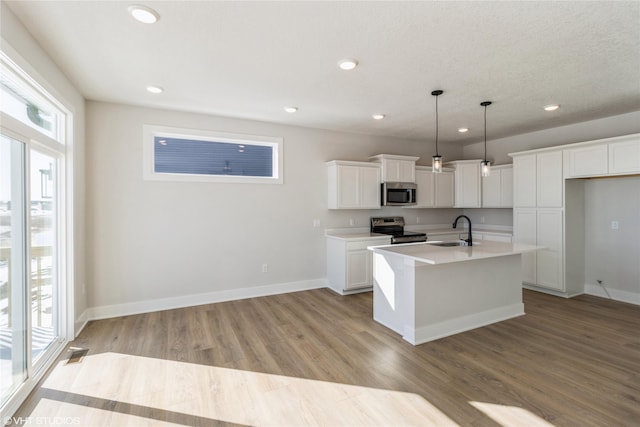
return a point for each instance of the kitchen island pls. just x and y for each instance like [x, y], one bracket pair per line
[425, 292]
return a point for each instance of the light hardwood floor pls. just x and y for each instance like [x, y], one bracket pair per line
[316, 358]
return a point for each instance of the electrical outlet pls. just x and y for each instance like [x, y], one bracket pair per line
[316, 223]
[417, 220]
[482, 219]
[615, 225]
[352, 222]
[265, 268]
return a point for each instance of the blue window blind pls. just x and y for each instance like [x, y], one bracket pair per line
[198, 157]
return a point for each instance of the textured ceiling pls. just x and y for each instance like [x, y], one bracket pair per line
[250, 59]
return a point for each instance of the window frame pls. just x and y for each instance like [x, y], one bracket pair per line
[148, 155]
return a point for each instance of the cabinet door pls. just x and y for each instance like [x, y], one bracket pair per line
[358, 269]
[524, 231]
[624, 157]
[524, 181]
[549, 271]
[491, 189]
[467, 184]
[348, 187]
[406, 171]
[550, 182]
[444, 190]
[586, 161]
[425, 189]
[506, 188]
[369, 188]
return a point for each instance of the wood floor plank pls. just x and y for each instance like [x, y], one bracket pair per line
[316, 357]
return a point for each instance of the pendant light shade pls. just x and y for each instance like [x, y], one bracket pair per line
[436, 166]
[485, 165]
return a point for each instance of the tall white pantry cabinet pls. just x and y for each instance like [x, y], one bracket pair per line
[541, 208]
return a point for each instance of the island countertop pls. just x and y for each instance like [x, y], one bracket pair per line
[428, 253]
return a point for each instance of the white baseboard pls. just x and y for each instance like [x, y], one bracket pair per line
[80, 323]
[127, 309]
[461, 324]
[614, 294]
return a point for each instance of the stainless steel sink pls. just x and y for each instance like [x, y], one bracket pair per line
[447, 244]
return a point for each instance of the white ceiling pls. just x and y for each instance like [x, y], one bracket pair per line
[250, 59]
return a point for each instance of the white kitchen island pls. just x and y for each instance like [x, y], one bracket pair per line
[425, 292]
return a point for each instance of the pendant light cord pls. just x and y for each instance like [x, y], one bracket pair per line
[485, 133]
[437, 125]
[485, 104]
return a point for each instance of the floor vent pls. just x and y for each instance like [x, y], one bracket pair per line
[77, 354]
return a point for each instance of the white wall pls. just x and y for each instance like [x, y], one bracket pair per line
[153, 240]
[20, 46]
[498, 149]
[613, 256]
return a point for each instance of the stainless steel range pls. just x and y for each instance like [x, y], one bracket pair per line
[394, 225]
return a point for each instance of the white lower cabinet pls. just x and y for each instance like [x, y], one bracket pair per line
[524, 231]
[549, 266]
[542, 227]
[350, 264]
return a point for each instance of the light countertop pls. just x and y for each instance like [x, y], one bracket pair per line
[430, 254]
[357, 236]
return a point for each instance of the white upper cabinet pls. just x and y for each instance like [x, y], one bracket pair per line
[604, 157]
[586, 161]
[468, 192]
[434, 190]
[550, 182]
[353, 185]
[538, 180]
[396, 168]
[524, 181]
[624, 157]
[497, 188]
[444, 189]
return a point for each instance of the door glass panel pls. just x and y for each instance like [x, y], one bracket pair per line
[44, 283]
[13, 315]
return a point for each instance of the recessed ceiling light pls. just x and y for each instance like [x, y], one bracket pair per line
[463, 130]
[143, 14]
[155, 89]
[290, 109]
[378, 116]
[551, 107]
[348, 64]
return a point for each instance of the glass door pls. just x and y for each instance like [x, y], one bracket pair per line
[13, 268]
[43, 291]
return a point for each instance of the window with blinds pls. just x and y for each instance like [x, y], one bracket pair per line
[179, 154]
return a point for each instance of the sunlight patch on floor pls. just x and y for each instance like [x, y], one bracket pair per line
[510, 415]
[187, 393]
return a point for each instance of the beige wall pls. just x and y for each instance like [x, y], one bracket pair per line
[18, 44]
[613, 256]
[155, 240]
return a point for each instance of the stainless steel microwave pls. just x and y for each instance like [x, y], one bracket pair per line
[398, 194]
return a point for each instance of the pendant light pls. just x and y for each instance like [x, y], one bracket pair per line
[485, 165]
[437, 159]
